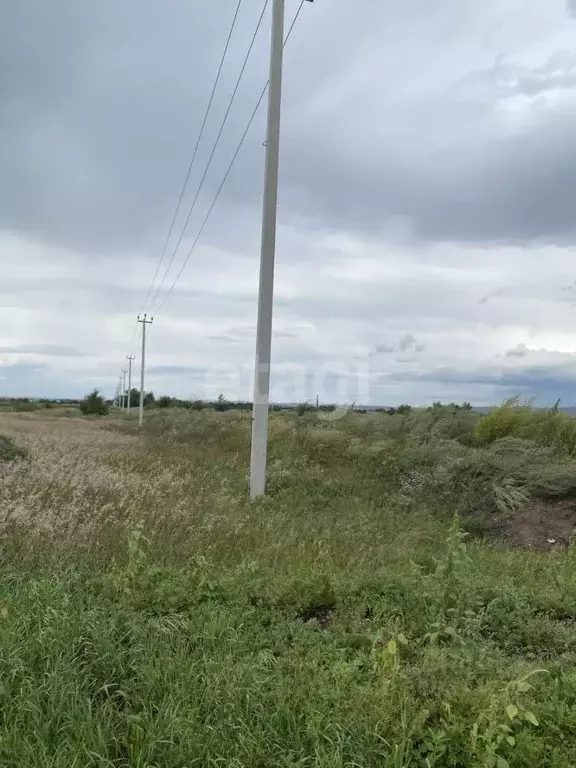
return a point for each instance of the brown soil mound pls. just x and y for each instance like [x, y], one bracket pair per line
[540, 526]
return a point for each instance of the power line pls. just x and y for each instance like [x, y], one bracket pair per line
[228, 171]
[213, 152]
[195, 152]
[133, 336]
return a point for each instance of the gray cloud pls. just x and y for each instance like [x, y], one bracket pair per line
[407, 343]
[176, 370]
[511, 189]
[490, 296]
[411, 131]
[384, 349]
[49, 350]
[99, 115]
[223, 338]
[26, 380]
[519, 351]
[545, 383]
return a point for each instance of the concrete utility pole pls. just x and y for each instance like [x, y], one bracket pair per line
[124, 372]
[130, 358]
[267, 253]
[144, 322]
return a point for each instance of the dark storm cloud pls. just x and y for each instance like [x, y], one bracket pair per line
[101, 102]
[546, 383]
[471, 160]
[515, 189]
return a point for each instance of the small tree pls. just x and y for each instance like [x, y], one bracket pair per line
[303, 408]
[94, 404]
[134, 397]
[221, 404]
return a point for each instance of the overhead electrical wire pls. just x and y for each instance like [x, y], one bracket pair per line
[212, 153]
[195, 152]
[226, 175]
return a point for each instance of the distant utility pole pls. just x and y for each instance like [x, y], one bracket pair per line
[144, 322]
[267, 255]
[124, 372]
[130, 358]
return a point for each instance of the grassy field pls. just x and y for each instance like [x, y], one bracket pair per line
[404, 596]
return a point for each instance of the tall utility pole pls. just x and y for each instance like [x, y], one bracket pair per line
[130, 358]
[267, 253]
[144, 322]
[124, 372]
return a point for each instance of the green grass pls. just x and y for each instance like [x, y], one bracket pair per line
[9, 451]
[345, 620]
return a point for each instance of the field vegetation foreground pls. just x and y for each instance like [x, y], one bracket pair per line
[405, 596]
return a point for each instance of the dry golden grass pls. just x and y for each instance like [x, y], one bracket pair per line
[84, 482]
[68, 487]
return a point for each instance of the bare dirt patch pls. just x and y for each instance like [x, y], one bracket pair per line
[542, 526]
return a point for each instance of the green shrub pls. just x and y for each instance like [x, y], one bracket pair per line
[546, 427]
[511, 418]
[94, 404]
[303, 408]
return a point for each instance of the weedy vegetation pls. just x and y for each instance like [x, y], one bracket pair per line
[404, 596]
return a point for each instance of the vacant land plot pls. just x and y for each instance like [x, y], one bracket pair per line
[404, 596]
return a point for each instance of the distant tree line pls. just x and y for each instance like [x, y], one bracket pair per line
[38, 400]
[95, 404]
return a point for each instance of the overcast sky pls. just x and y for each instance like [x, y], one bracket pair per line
[427, 210]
